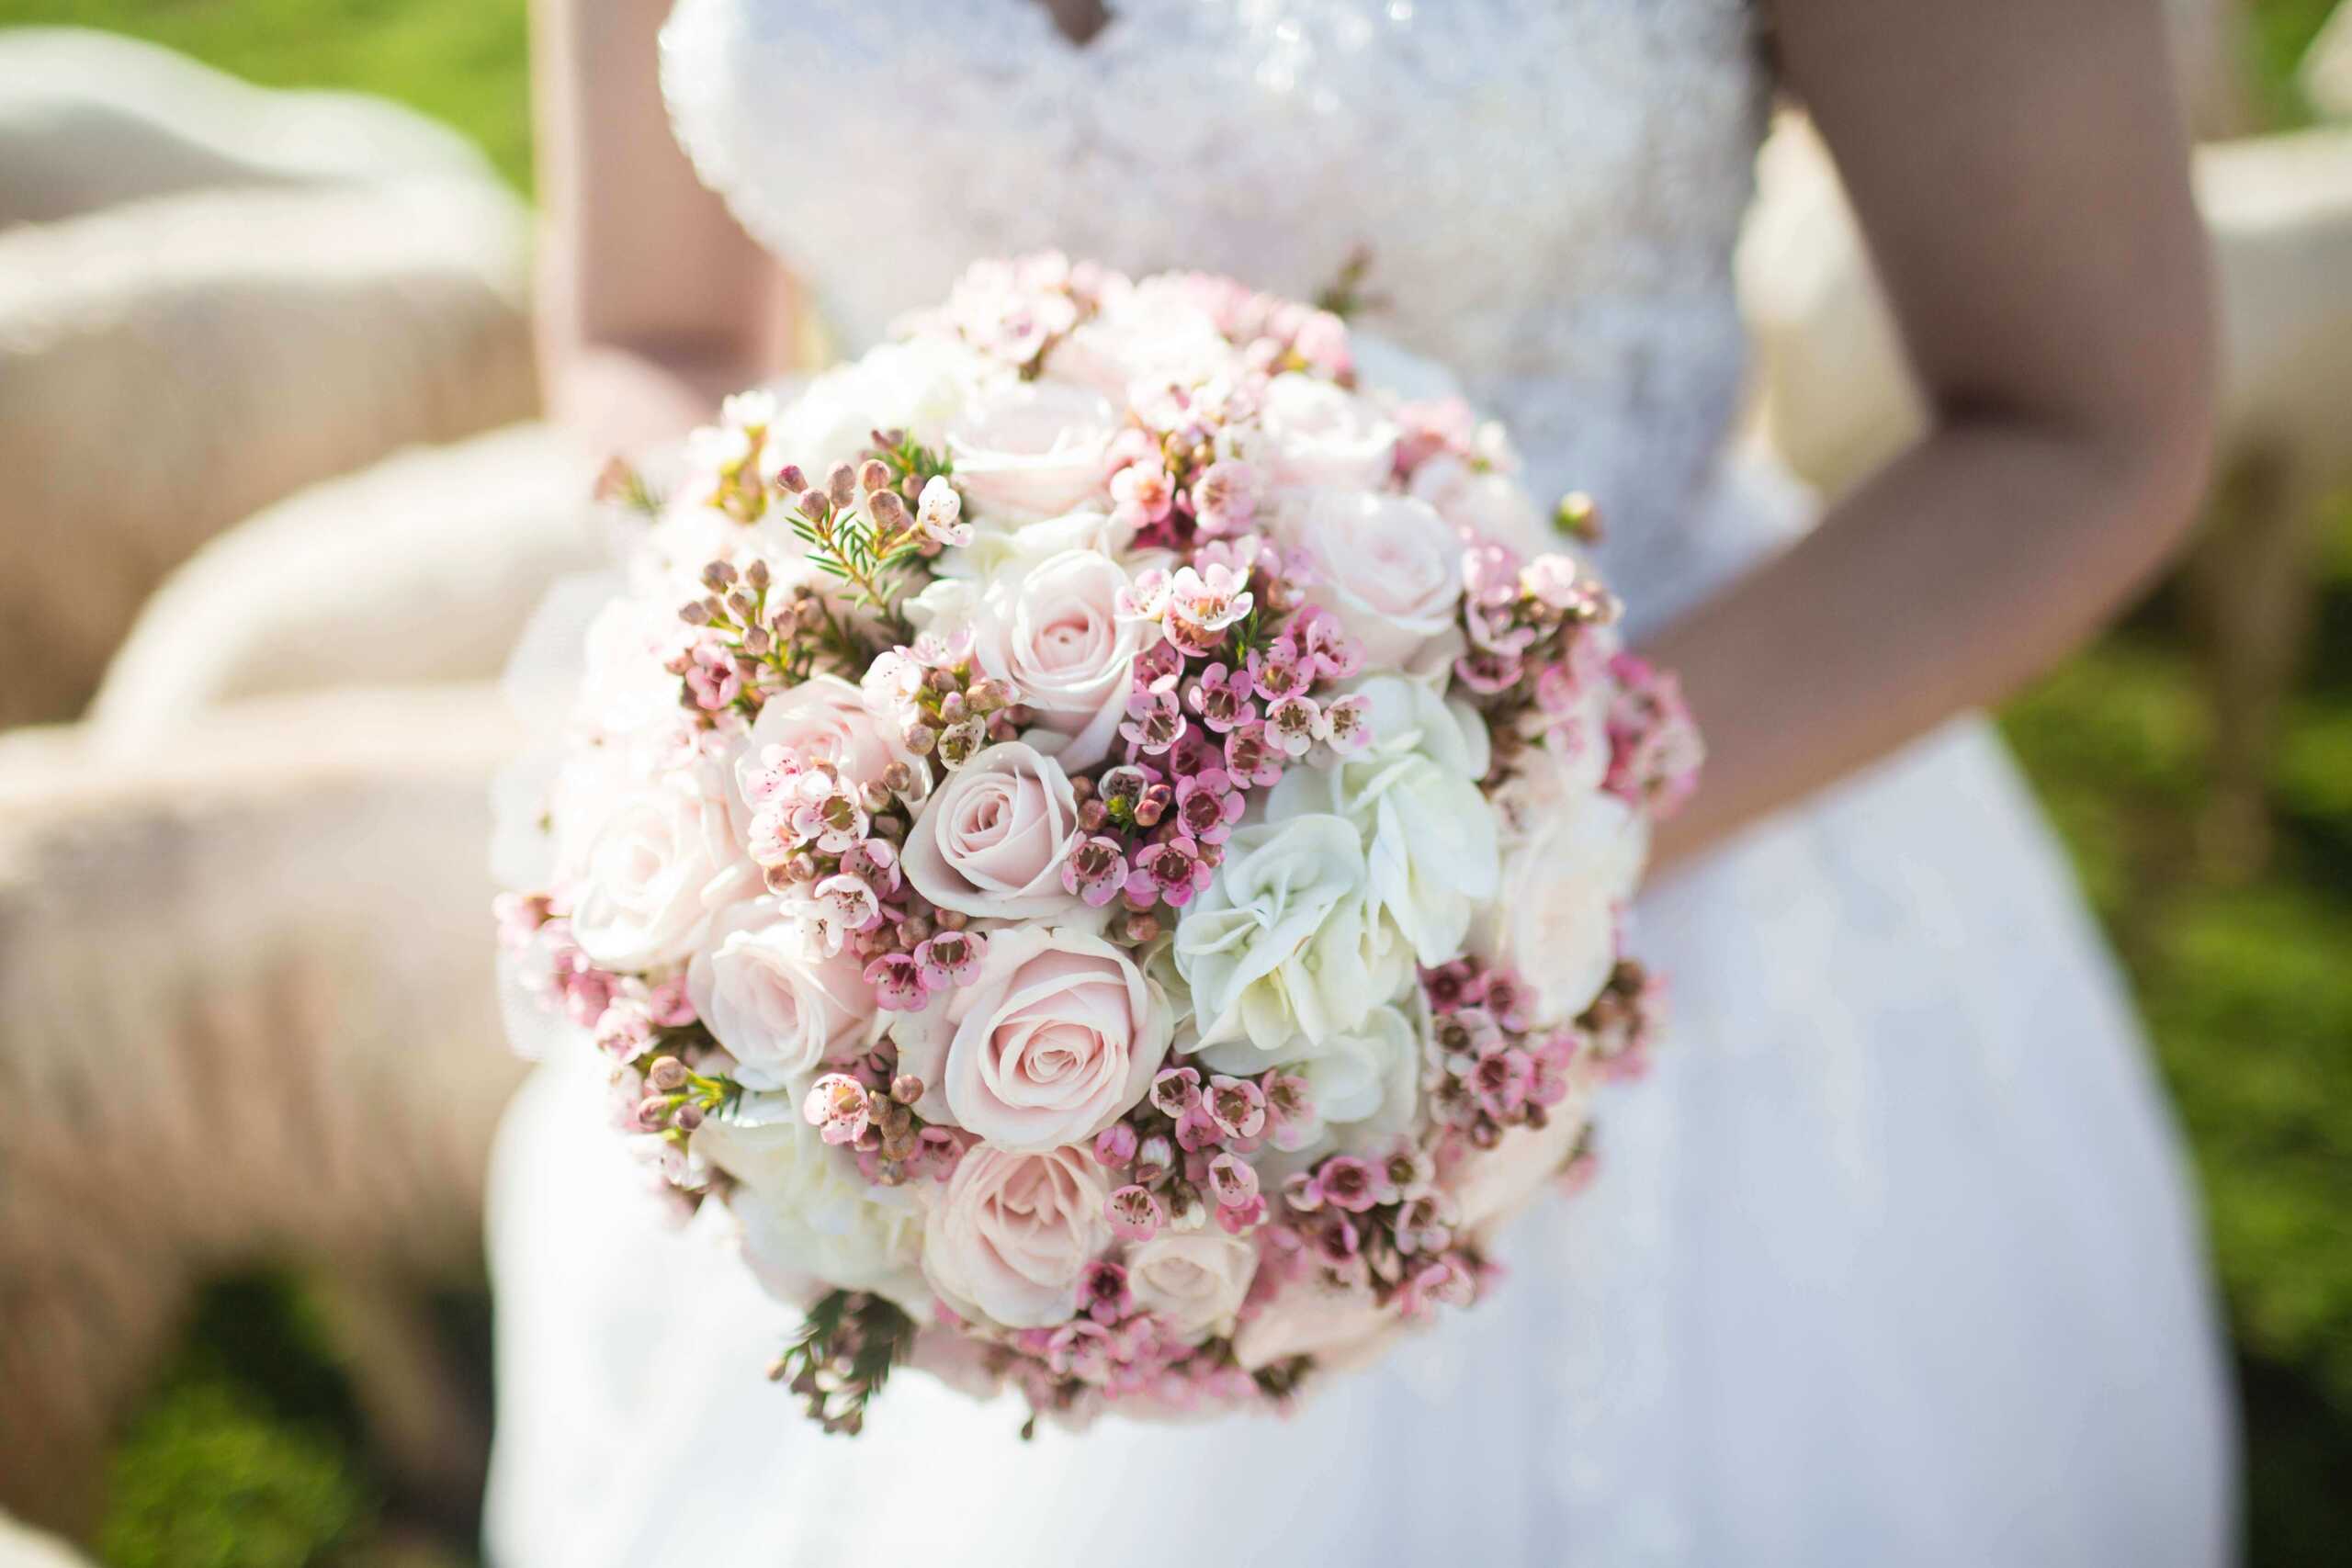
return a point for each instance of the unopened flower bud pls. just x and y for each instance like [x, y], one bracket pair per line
[687, 1117]
[717, 576]
[1141, 927]
[888, 512]
[905, 1088]
[1577, 517]
[812, 503]
[695, 615]
[791, 480]
[873, 475]
[667, 1074]
[841, 484]
[1154, 1155]
[897, 778]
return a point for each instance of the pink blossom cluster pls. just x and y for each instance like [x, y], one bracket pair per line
[1489, 1067]
[1655, 752]
[1185, 1153]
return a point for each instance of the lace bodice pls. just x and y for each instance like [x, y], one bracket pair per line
[1547, 190]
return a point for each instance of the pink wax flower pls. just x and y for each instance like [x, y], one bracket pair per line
[1221, 694]
[1208, 805]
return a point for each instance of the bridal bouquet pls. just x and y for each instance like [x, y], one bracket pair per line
[1098, 834]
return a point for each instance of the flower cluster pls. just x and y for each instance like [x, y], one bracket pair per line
[1103, 843]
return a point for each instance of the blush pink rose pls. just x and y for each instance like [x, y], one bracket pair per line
[992, 838]
[824, 718]
[1032, 451]
[1055, 633]
[1491, 1186]
[1194, 1282]
[1339, 1328]
[1057, 1036]
[655, 861]
[775, 999]
[1007, 1239]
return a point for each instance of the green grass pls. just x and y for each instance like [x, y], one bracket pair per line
[465, 62]
[2246, 988]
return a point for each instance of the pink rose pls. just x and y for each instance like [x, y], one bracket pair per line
[1340, 1329]
[1489, 1187]
[1058, 1035]
[1192, 1281]
[771, 994]
[824, 718]
[1388, 566]
[1054, 632]
[1319, 434]
[990, 840]
[1007, 1239]
[1033, 451]
[655, 861]
[1152, 334]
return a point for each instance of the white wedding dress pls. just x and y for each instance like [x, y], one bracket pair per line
[1891, 1262]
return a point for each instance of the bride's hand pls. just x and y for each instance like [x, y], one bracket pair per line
[654, 303]
[2019, 169]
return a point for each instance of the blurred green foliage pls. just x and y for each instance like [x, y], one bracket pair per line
[249, 1455]
[466, 62]
[243, 1456]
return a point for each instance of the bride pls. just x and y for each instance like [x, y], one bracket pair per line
[1892, 1261]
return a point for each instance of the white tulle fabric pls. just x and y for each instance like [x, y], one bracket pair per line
[1891, 1262]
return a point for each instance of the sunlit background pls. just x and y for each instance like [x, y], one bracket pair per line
[2219, 855]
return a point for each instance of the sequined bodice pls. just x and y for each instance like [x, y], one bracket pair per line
[1547, 190]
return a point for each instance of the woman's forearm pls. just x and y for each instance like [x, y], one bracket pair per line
[1966, 567]
[653, 302]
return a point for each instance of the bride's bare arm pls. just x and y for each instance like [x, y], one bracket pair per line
[653, 302]
[2019, 169]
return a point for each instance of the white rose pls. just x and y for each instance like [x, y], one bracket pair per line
[624, 689]
[1007, 1239]
[1491, 505]
[949, 601]
[659, 860]
[1319, 435]
[1366, 1082]
[1428, 832]
[1054, 631]
[1284, 941]
[810, 1221]
[1563, 883]
[991, 838]
[1192, 1281]
[1033, 450]
[773, 997]
[1388, 566]
[1054, 1040]
[1150, 334]
[917, 386]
